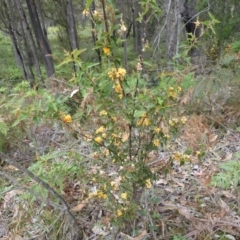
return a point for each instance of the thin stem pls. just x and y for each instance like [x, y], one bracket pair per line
[105, 16]
[46, 186]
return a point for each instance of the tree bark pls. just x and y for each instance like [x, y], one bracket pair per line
[138, 27]
[71, 26]
[41, 40]
[172, 27]
[32, 44]
[16, 38]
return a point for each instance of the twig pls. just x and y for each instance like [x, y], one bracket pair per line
[47, 187]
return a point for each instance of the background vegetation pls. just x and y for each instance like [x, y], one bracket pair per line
[119, 119]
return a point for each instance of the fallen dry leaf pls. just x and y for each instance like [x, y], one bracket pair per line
[7, 198]
[139, 237]
[99, 231]
[125, 136]
[186, 213]
[213, 138]
[224, 208]
[81, 205]
[74, 92]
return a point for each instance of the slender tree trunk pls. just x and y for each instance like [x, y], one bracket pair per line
[28, 52]
[94, 37]
[189, 18]
[72, 31]
[41, 40]
[71, 28]
[138, 28]
[172, 27]
[16, 38]
[33, 50]
[41, 17]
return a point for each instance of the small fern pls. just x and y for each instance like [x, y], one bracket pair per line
[3, 127]
[230, 174]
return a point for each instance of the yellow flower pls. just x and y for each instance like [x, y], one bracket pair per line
[171, 89]
[179, 89]
[111, 74]
[117, 74]
[114, 119]
[114, 135]
[173, 121]
[116, 143]
[85, 12]
[197, 23]
[104, 135]
[185, 157]
[100, 130]
[156, 142]
[98, 140]
[95, 13]
[139, 67]
[103, 112]
[121, 73]
[122, 26]
[118, 88]
[177, 156]
[106, 152]
[66, 118]
[198, 153]
[114, 186]
[124, 196]
[144, 121]
[92, 194]
[106, 51]
[166, 135]
[87, 137]
[148, 183]
[157, 130]
[183, 120]
[102, 195]
[119, 213]
[172, 93]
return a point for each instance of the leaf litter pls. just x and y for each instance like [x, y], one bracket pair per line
[187, 203]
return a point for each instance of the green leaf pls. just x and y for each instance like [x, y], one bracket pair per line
[139, 113]
[3, 128]
[89, 2]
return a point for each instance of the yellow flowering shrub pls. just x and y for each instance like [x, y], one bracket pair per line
[128, 120]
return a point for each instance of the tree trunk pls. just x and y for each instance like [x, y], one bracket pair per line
[189, 18]
[41, 40]
[71, 26]
[173, 19]
[33, 50]
[28, 51]
[94, 36]
[138, 28]
[16, 38]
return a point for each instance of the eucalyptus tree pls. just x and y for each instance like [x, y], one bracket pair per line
[42, 41]
[19, 19]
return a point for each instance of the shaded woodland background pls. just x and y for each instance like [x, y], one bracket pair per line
[41, 30]
[157, 81]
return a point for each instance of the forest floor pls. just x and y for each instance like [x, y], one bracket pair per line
[187, 202]
[182, 202]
